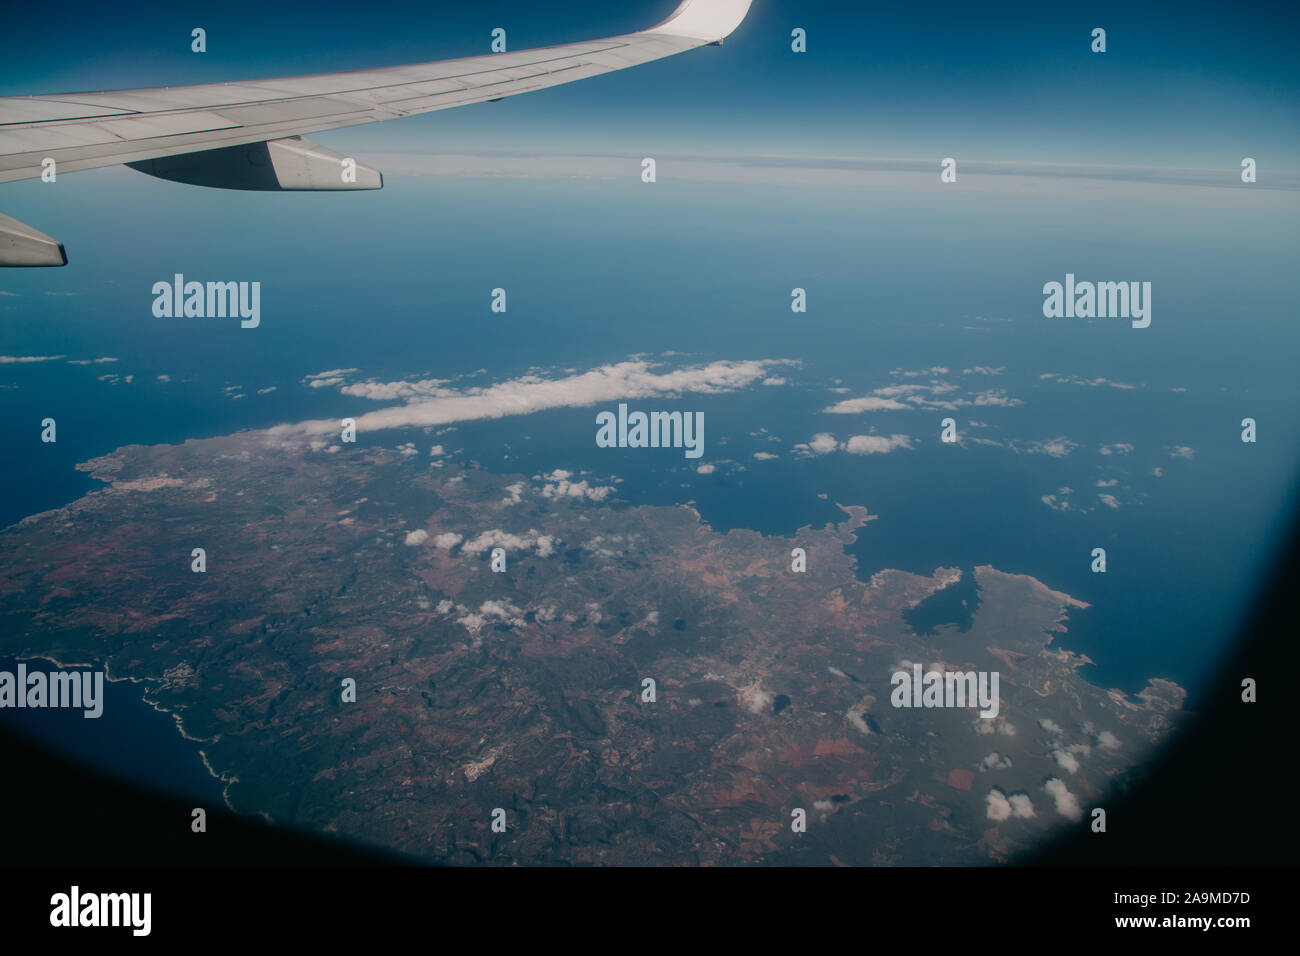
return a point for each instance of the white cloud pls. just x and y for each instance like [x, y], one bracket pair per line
[496, 538]
[492, 611]
[758, 700]
[764, 456]
[430, 403]
[1066, 760]
[1059, 501]
[25, 359]
[870, 403]
[564, 488]
[999, 808]
[416, 537]
[1089, 382]
[333, 377]
[1110, 501]
[876, 444]
[935, 370]
[823, 443]
[447, 540]
[1067, 805]
[1021, 806]
[1055, 447]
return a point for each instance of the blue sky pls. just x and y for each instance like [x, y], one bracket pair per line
[1182, 84]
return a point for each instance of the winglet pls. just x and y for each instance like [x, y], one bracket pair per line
[21, 245]
[707, 20]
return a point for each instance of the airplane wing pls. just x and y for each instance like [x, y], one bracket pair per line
[249, 135]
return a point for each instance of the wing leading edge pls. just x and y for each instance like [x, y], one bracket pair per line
[142, 127]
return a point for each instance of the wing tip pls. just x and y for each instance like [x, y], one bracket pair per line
[705, 20]
[24, 246]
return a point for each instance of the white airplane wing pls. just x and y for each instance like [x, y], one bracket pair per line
[248, 135]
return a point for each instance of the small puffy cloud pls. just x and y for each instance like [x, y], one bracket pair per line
[559, 486]
[999, 807]
[876, 444]
[496, 538]
[1182, 451]
[1066, 760]
[1117, 448]
[328, 379]
[823, 443]
[447, 540]
[1055, 447]
[994, 398]
[1067, 804]
[492, 611]
[1051, 726]
[758, 701]
[1102, 483]
[1059, 501]
[870, 403]
[1021, 806]
[764, 456]
[984, 726]
[996, 761]
[500, 609]
[1107, 741]
[416, 537]
[706, 469]
[1110, 501]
